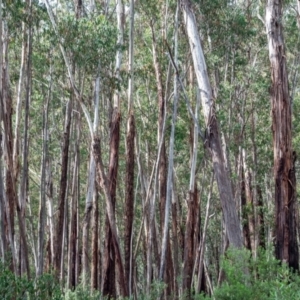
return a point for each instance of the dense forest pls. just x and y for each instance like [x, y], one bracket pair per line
[148, 149]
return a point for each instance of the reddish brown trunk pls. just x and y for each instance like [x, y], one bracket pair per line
[10, 193]
[246, 231]
[250, 209]
[292, 218]
[108, 274]
[190, 242]
[260, 219]
[63, 190]
[10, 181]
[112, 258]
[129, 196]
[286, 248]
[103, 182]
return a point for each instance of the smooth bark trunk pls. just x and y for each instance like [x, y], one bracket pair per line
[212, 137]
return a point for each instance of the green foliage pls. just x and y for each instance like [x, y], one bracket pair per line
[263, 278]
[157, 288]
[81, 293]
[94, 39]
[14, 287]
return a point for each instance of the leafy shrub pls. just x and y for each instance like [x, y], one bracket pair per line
[14, 287]
[263, 278]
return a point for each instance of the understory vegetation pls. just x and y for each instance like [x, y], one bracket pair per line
[263, 278]
[148, 149]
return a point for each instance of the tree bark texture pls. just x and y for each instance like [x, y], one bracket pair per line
[212, 137]
[63, 189]
[286, 247]
[129, 196]
[108, 185]
[190, 242]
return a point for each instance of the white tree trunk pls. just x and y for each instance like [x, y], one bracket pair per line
[212, 129]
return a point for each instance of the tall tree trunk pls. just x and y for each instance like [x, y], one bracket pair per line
[286, 248]
[63, 188]
[166, 253]
[50, 221]
[162, 175]
[129, 177]
[212, 129]
[249, 201]
[190, 242]
[73, 234]
[42, 209]
[90, 192]
[24, 179]
[6, 115]
[3, 239]
[95, 244]
[111, 256]
[104, 182]
[192, 215]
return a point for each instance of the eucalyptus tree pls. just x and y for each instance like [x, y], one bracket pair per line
[286, 248]
[213, 140]
[130, 160]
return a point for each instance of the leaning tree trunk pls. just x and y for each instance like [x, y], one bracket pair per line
[212, 141]
[286, 248]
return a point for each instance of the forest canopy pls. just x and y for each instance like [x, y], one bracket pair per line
[148, 149]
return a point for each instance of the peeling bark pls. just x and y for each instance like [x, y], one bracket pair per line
[286, 247]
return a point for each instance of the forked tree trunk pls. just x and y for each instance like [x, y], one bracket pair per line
[286, 248]
[104, 182]
[90, 193]
[111, 255]
[212, 141]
